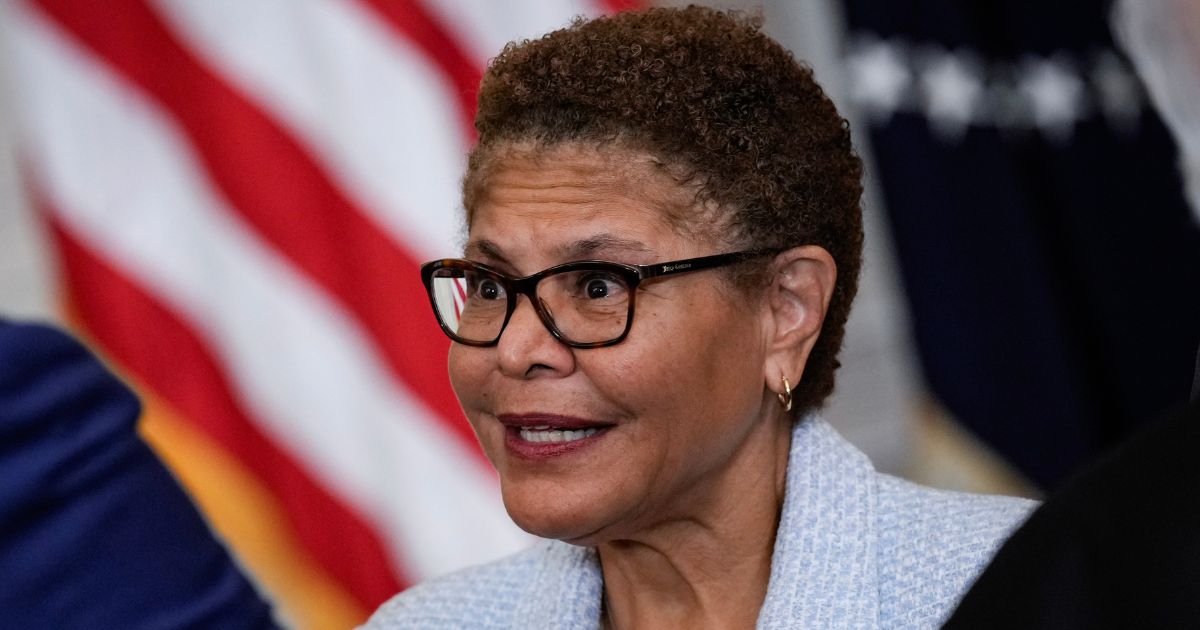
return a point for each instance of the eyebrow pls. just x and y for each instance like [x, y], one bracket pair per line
[484, 249]
[582, 249]
[587, 248]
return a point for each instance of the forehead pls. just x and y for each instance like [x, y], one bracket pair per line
[552, 205]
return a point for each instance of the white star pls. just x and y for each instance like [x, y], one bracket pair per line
[879, 78]
[1119, 93]
[951, 87]
[1005, 107]
[1054, 95]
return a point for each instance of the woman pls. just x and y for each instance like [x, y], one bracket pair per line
[664, 238]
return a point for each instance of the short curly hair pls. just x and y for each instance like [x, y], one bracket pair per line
[725, 108]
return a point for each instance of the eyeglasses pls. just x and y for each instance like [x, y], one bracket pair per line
[584, 304]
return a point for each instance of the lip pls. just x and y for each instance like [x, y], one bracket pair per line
[554, 421]
[540, 451]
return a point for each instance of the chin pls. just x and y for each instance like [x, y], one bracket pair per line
[558, 520]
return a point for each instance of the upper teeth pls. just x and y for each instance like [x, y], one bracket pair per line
[546, 434]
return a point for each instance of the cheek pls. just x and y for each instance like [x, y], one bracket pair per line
[686, 364]
[468, 370]
[457, 369]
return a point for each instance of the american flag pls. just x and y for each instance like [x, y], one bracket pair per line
[239, 194]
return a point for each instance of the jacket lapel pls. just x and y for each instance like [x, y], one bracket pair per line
[823, 570]
[564, 592]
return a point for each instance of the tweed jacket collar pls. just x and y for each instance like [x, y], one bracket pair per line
[823, 566]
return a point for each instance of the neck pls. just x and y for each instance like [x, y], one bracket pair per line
[708, 566]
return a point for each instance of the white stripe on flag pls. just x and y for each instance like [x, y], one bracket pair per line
[128, 185]
[373, 111]
[483, 27]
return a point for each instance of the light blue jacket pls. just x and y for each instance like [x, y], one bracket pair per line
[854, 549]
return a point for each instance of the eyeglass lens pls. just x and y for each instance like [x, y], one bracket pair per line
[586, 306]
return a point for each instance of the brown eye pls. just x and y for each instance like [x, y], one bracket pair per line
[490, 290]
[599, 286]
[596, 289]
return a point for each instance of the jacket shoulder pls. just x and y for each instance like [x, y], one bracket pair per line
[482, 596]
[932, 546]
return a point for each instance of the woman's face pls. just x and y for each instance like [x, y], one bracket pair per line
[660, 417]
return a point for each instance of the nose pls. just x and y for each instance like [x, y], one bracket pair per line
[527, 348]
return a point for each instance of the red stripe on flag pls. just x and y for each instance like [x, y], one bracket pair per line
[279, 190]
[159, 349]
[616, 6]
[411, 21]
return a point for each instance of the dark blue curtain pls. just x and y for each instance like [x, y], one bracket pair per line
[1051, 263]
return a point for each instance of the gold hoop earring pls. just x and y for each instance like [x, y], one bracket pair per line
[785, 398]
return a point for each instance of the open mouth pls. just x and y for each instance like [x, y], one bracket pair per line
[546, 433]
[540, 436]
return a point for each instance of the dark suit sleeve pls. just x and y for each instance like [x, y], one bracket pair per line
[94, 531]
[1118, 547]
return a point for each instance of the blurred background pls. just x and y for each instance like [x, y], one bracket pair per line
[229, 199]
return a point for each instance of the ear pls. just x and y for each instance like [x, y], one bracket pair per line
[802, 280]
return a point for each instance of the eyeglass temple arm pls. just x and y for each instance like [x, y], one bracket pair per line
[697, 264]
